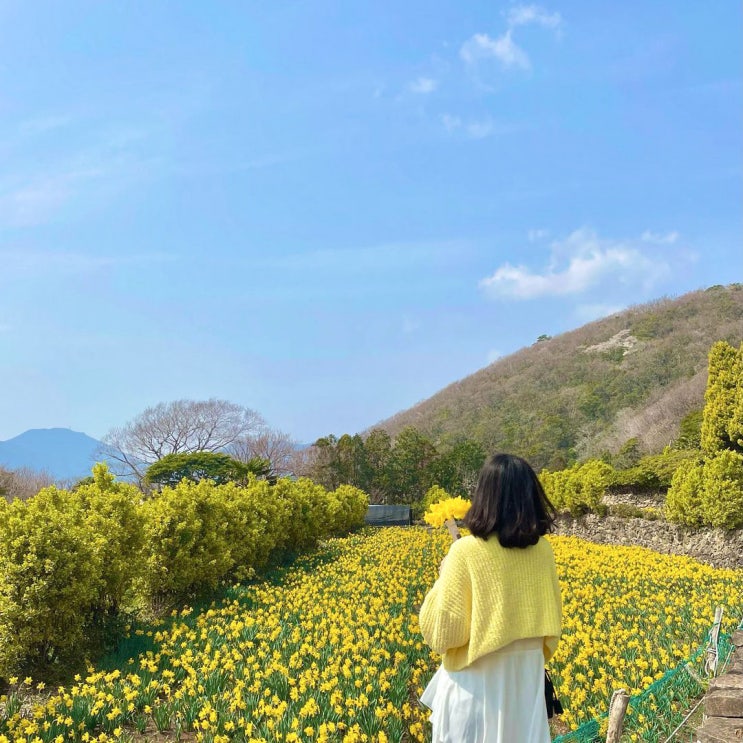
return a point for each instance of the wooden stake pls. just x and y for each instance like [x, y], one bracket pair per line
[451, 525]
[617, 711]
[711, 656]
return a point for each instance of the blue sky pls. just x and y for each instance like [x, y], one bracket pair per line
[327, 211]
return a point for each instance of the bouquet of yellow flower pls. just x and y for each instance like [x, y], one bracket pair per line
[445, 512]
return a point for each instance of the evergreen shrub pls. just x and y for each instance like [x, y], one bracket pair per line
[348, 507]
[722, 495]
[69, 557]
[115, 522]
[51, 578]
[653, 472]
[187, 546]
[578, 489]
[683, 500]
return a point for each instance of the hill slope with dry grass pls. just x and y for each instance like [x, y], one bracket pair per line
[635, 374]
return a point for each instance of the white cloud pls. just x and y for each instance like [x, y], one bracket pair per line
[523, 15]
[535, 235]
[504, 49]
[659, 238]
[493, 355]
[579, 263]
[424, 85]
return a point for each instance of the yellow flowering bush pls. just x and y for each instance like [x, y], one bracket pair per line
[50, 577]
[254, 525]
[347, 508]
[198, 533]
[308, 508]
[114, 520]
[450, 508]
[69, 557]
[187, 546]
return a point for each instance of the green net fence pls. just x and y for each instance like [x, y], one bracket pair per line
[656, 712]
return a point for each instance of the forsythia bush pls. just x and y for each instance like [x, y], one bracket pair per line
[589, 488]
[554, 484]
[66, 557]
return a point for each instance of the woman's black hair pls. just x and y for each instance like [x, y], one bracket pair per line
[509, 501]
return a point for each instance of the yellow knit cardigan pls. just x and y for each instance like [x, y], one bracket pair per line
[487, 596]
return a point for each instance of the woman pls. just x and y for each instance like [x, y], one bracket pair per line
[494, 614]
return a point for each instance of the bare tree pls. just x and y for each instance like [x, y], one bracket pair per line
[277, 447]
[23, 483]
[181, 426]
[302, 462]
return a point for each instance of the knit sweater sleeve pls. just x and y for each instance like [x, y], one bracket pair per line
[447, 609]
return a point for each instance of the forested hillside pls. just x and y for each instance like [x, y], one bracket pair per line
[633, 375]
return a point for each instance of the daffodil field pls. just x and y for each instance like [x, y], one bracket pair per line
[330, 650]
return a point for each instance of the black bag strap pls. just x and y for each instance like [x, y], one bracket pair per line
[554, 706]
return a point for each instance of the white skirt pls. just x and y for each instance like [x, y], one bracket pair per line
[497, 699]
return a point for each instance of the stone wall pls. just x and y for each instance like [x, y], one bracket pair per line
[713, 546]
[723, 703]
[639, 500]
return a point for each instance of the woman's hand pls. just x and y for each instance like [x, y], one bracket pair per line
[441, 567]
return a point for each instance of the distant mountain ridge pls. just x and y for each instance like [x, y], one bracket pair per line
[61, 452]
[633, 375]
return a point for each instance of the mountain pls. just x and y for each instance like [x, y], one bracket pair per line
[64, 454]
[633, 375]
